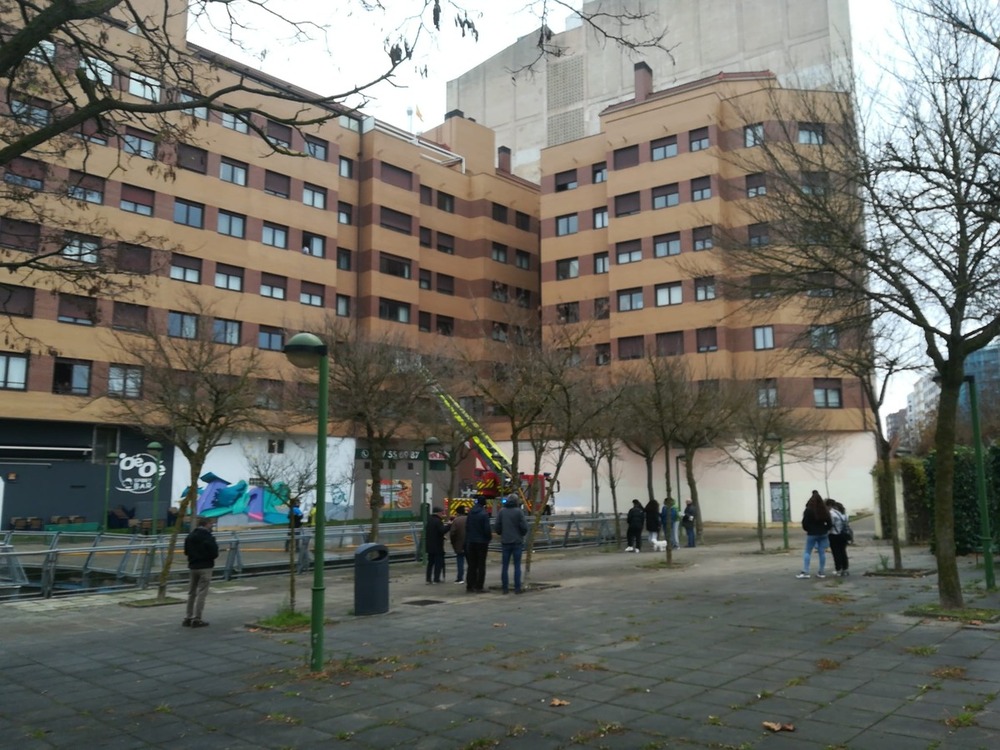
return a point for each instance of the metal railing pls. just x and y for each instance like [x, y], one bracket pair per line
[56, 563]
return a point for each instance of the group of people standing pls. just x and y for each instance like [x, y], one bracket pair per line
[656, 520]
[470, 535]
[825, 523]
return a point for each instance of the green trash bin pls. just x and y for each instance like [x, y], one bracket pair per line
[371, 579]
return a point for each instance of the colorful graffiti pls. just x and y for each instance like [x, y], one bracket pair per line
[220, 498]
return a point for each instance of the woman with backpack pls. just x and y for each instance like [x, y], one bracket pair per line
[816, 524]
[839, 536]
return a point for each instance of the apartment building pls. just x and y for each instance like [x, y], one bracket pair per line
[632, 219]
[347, 219]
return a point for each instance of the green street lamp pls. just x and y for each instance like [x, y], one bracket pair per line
[984, 512]
[307, 351]
[112, 455]
[784, 489]
[431, 442]
[156, 449]
[677, 466]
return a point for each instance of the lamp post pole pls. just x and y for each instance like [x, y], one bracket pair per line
[306, 350]
[428, 444]
[984, 513]
[156, 449]
[112, 455]
[677, 467]
[784, 493]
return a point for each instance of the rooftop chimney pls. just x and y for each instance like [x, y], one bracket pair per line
[503, 159]
[643, 81]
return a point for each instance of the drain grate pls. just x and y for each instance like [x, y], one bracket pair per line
[424, 602]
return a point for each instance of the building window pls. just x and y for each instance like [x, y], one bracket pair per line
[97, 70]
[395, 266]
[629, 300]
[189, 214]
[631, 347]
[228, 277]
[343, 259]
[426, 237]
[125, 381]
[568, 312]
[226, 331]
[763, 337]
[767, 393]
[702, 238]
[522, 297]
[760, 285]
[128, 317]
[272, 339]
[144, 87]
[426, 195]
[827, 393]
[522, 259]
[279, 134]
[314, 196]
[626, 157]
[81, 249]
[820, 284]
[500, 213]
[522, 221]
[568, 268]
[445, 243]
[137, 200]
[665, 196]
[566, 181]
[704, 288]
[822, 338]
[233, 171]
[137, 143]
[670, 344]
[274, 235]
[758, 234]
[812, 133]
[18, 301]
[192, 158]
[499, 332]
[425, 279]
[343, 306]
[669, 294]
[269, 395]
[277, 184]
[601, 217]
[13, 372]
[26, 173]
[602, 308]
[445, 325]
[20, 235]
[345, 213]
[627, 204]
[698, 139]
[599, 172]
[446, 285]
[499, 253]
[71, 377]
[602, 263]
[602, 354]
[568, 224]
[317, 148]
[663, 148]
[346, 168]
[235, 122]
[182, 325]
[446, 202]
[701, 189]
[815, 183]
[233, 225]
[311, 294]
[183, 268]
[628, 252]
[85, 187]
[707, 339]
[200, 113]
[33, 112]
[756, 185]
[665, 245]
[273, 286]
[77, 310]
[314, 244]
[390, 309]
[753, 135]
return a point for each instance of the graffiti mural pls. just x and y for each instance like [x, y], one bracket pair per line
[221, 498]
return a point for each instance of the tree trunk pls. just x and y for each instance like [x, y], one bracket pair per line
[759, 480]
[613, 486]
[376, 502]
[293, 543]
[536, 514]
[887, 497]
[649, 477]
[949, 584]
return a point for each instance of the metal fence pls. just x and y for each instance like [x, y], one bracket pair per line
[45, 564]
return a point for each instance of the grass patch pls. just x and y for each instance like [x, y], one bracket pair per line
[603, 729]
[971, 615]
[827, 664]
[834, 599]
[285, 620]
[949, 673]
[921, 650]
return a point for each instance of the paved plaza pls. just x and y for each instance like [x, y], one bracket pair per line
[614, 652]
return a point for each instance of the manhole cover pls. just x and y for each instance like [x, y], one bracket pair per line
[424, 602]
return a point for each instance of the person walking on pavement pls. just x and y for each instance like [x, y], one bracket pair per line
[838, 536]
[477, 543]
[816, 524]
[456, 535]
[434, 535]
[634, 521]
[201, 550]
[512, 526]
[652, 519]
[688, 522]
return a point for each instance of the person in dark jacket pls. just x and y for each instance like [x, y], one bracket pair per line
[688, 522]
[457, 536]
[816, 524]
[512, 526]
[634, 521]
[435, 532]
[201, 550]
[838, 536]
[477, 543]
[652, 519]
